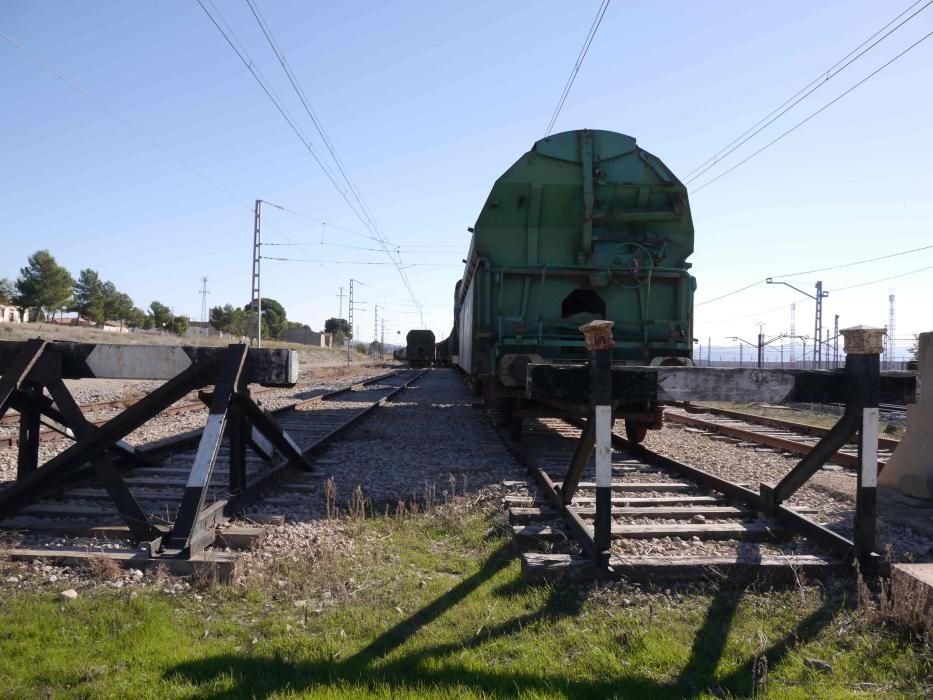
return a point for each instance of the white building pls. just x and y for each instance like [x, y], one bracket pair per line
[13, 314]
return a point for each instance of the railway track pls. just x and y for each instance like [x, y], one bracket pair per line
[81, 511]
[777, 433]
[669, 520]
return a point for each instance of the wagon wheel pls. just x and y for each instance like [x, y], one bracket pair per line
[635, 431]
[630, 260]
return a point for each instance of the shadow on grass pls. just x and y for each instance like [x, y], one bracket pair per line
[260, 677]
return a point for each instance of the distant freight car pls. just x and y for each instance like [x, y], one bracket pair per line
[419, 348]
[442, 352]
[586, 225]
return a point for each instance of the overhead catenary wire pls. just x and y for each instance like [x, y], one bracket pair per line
[822, 269]
[363, 212]
[814, 114]
[857, 262]
[230, 37]
[760, 312]
[882, 279]
[319, 127]
[591, 34]
[353, 262]
[135, 129]
[803, 93]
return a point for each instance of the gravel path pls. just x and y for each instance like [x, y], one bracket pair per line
[424, 447]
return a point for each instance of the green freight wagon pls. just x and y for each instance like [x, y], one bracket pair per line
[419, 348]
[586, 225]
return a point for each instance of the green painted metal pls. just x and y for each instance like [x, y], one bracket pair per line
[583, 219]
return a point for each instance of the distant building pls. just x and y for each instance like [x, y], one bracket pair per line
[305, 336]
[13, 314]
[202, 329]
[70, 321]
[114, 327]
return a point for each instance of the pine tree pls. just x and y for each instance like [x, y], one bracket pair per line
[88, 296]
[44, 284]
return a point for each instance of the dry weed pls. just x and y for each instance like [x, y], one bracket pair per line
[330, 498]
[358, 503]
[103, 569]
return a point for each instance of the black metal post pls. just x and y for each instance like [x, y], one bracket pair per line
[863, 347]
[239, 430]
[27, 458]
[599, 343]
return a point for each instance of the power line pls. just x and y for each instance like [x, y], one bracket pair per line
[858, 262]
[369, 221]
[267, 32]
[356, 262]
[821, 109]
[822, 269]
[761, 312]
[883, 279]
[729, 294]
[139, 132]
[591, 34]
[802, 94]
[357, 247]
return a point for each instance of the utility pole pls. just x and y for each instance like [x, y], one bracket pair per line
[793, 334]
[836, 342]
[889, 355]
[255, 295]
[761, 345]
[382, 341]
[204, 294]
[350, 322]
[341, 295]
[709, 350]
[375, 331]
[818, 331]
[818, 319]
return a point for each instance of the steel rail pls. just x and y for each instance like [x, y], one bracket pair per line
[222, 509]
[820, 535]
[774, 441]
[794, 426]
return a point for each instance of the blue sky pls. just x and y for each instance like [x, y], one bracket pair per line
[427, 103]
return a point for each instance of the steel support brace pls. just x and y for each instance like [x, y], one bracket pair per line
[839, 435]
[107, 473]
[186, 537]
[271, 430]
[20, 367]
[863, 382]
[54, 472]
[581, 455]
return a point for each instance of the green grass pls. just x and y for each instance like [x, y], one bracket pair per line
[434, 606]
